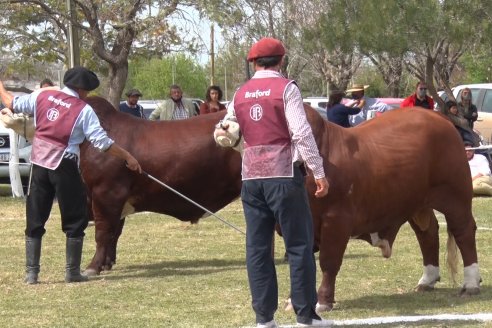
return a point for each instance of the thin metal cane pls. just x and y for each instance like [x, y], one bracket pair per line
[193, 202]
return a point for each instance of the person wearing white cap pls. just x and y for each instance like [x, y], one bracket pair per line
[364, 103]
[63, 120]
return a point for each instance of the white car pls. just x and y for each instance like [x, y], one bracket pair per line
[24, 156]
[24, 150]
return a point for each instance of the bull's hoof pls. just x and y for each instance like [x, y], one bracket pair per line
[288, 305]
[424, 288]
[89, 272]
[324, 307]
[466, 292]
[385, 248]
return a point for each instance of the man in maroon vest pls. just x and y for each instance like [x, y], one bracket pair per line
[63, 122]
[278, 141]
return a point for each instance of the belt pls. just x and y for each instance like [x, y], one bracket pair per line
[71, 156]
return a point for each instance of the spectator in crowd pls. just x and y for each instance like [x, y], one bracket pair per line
[467, 108]
[63, 121]
[46, 83]
[212, 100]
[277, 141]
[366, 104]
[131, 106]
[338, 113]
[480, 171]
[452, 112]
[419, 98]
[174, 108]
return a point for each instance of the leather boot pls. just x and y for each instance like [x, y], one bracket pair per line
[33, 253]
[74, 256]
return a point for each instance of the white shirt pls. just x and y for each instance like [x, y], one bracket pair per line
[370, 104]
[479, 164]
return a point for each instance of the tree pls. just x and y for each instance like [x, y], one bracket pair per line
[110, 29]
[155, 76]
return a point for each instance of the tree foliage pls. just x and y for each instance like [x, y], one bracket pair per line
[155, 76]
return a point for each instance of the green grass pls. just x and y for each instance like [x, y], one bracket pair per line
[173, 274]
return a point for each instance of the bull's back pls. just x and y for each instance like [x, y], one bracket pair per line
[182, 154]
[391, 167]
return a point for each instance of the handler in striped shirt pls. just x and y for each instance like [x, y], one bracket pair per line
[278, 140]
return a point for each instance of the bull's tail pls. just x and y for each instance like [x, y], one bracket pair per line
[452, 257]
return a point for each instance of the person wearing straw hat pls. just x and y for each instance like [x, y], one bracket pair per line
[278, 142]
[131, 106]
[63, 121]
[366, 104]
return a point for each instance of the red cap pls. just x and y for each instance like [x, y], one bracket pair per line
[266, 47]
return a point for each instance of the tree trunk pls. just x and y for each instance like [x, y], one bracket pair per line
[116, 82]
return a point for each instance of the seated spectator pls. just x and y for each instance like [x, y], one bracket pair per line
[131, 106]
[338, 113]
[480, 171]
[455, 116]
[467, 107]
[212, 100]
[419, 98]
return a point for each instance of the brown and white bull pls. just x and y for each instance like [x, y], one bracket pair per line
[388, 171]
[182, 154]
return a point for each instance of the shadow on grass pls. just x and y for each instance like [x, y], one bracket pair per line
[412, 302]
[175, 268]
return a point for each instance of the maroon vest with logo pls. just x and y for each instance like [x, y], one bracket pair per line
[260, 111]
[56, 114]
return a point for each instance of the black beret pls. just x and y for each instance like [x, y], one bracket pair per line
[81, 78]
[133, 92]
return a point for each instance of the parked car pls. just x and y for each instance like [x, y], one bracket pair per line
[316, 102]
[482, 98]
[24, 148]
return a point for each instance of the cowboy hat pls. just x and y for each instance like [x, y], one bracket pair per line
[358, 87]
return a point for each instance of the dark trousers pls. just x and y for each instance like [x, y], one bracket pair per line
[282, 200]
[66, 184]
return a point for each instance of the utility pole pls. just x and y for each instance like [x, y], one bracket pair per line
[212, 56]
[73, 36]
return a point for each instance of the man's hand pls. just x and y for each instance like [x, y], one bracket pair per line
[322, 187]
[132, 164]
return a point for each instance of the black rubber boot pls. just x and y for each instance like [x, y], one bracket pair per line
[33, 253]
[74, 256]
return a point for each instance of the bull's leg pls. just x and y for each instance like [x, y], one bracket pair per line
[107, 222]
[426, 228]
[333, 240]
[463, 228]
[111, 256]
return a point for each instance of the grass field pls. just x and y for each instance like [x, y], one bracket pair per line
[173, 274]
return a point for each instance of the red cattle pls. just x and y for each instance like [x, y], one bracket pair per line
[181, 154]
[394, 169]
[390, 170]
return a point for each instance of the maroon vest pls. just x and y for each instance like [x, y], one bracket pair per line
[260, 111]
[56, 114]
